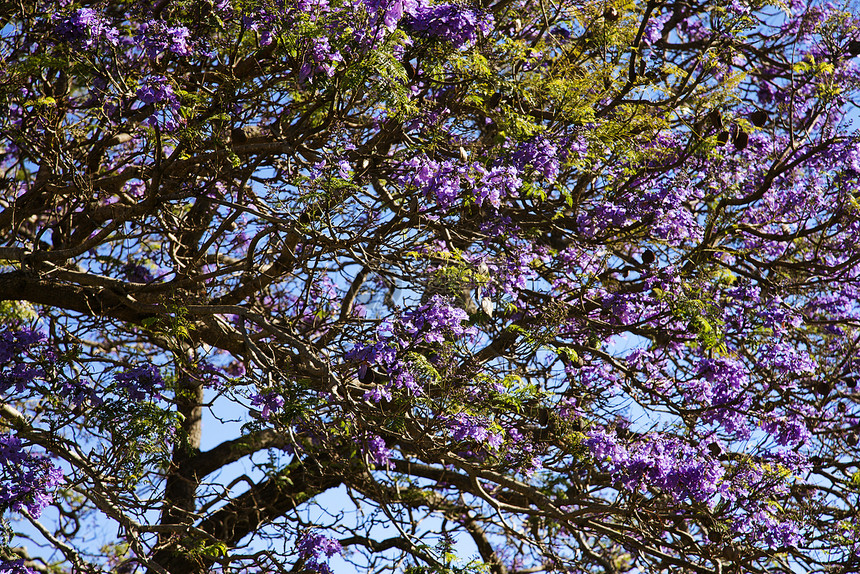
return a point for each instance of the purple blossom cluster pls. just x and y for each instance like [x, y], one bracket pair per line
[496, 184]
[316, 550]
[788, 430]
[137, 273]
[15, 343]
[459, 25]
[141, 382]
[157, 91]
[159, 39]
[79, 392]
[391, 11]
[768, 526]
[15, 567]
[754, 485]
[376, 450]
[478, 429]
[512, 273]
[436, 321]
[445, 181]
[19, 376]
[203, 372]
[86, 28]
[16, 347]
[782, 356]
[722, 384]
[539, 159]
[654, 29]
[271, 402]
[658, 461]
[26, 478]
[541, 155]
[320, 57]
[440, 180]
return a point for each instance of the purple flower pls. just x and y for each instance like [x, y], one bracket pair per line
[377, 452]
[789, 430]
[26, 478]
[767, 526]
[540, 155]
[438, 180]
[738, 8]
[391, 10]
[498, 183]
[464, 427]
[140, 382]
[15, 567]
[19, 376]
[271, 402]
[137, 273]
[381, 353]
[86, 28]
[452, 23]
[203, 372]
[722, 384]
[377, 394]
[315, 549]
[654, 29]
[14, 342]
[79, 392]
[158, 38]
[156, 89]
[786, 358]
[660, 461]
[15, 345]
[436, 319]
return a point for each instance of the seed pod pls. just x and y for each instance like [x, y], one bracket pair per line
[716, 119]
[715, 449]
[741, 139]
[648, 257]
[715, 536]
[366, 375]
[249, 134]
[722, 138]
[852, 439]
[543, 417]
[488, 306]
[758, 118]
[822, 388]
[611, 14]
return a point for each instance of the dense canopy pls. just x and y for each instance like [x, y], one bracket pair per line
[505, 286]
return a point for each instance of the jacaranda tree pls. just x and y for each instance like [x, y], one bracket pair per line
[420, 286]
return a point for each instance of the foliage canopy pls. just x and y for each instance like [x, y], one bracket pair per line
[531, 285]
